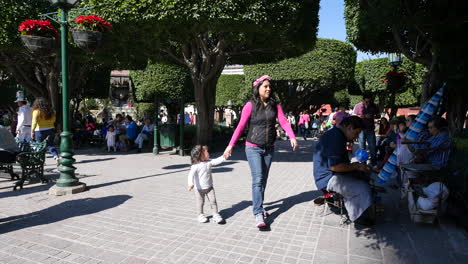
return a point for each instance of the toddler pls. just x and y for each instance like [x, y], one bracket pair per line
[200, 178]
[110, 138]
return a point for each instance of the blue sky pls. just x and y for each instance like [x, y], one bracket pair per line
[332, 23]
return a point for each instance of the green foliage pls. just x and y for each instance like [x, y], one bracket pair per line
[312, 78]
[231, 87]
[246, 25]
[146, 109]
[162, 81]
[12, 14]
[342, 98]
[369, 75]
[7, 88]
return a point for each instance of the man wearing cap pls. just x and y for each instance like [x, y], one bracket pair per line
[23, 129]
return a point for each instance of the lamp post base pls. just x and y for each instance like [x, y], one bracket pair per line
[59, 191]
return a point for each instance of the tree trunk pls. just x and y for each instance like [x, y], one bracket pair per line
[205, 94]
[205, 57]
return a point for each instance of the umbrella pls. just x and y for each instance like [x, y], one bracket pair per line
[423, 117]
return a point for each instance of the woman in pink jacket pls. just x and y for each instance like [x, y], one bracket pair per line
[260, 113]
[303, 124]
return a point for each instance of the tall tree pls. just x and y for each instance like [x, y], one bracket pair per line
[312, 78]
[204, 35]
[371, 73]
[427, 32]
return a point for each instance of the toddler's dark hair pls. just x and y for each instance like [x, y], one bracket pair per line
[196, 153]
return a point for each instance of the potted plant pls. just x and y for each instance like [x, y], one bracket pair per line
[38, 35]
[88, 31]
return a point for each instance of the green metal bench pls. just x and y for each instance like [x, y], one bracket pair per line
[32, 163]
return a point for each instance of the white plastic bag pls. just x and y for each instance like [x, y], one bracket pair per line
[434, 192]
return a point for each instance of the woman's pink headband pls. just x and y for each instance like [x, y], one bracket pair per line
[261, 79]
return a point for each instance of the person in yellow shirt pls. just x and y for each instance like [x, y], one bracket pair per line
[42, 127]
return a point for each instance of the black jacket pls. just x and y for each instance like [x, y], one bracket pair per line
[262, 125]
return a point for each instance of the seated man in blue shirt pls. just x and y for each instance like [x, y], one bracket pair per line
[334, 172]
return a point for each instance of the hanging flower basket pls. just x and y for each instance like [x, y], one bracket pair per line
[87, 39]
[38, 36]
[38, 45]
[88, 32]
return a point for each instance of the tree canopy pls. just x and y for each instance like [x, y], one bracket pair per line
[163, 82]
[427, 32]
[312, 78]
[206, 35]
[369, 78]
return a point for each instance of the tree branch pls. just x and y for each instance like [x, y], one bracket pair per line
[406, 51]
[174, 57]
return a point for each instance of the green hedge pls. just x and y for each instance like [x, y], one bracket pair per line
[231, 87]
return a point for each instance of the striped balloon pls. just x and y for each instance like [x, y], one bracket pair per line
[423, 117]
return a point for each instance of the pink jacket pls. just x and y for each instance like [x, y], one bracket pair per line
[245, 117]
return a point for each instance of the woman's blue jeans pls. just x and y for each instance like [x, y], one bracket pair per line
[41, 135]
[259, 162]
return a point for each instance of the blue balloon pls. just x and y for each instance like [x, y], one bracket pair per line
[362, 155]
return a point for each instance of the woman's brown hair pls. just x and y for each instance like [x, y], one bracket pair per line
[45, 109]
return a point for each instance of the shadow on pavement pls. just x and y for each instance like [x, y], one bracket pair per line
[93, 160]
[285, 204]
[235, 208]
[221, 169]
[132, 179]
[181, 166]
[176, 167]
[61, 212]
[52, 175]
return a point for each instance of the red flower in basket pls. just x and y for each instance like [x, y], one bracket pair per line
[42, 28]
[92, 23]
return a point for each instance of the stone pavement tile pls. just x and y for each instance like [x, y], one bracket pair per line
[275, 257]
[107, 256]
[391, 235]
[326, 257]
[134, 260]
[430, 245]
[365, 246]
[290, 260]
[360, 260]
[394, 256]
[258, 261]
[50, 260]
[333, 240]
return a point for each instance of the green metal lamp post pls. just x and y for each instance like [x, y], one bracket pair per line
[67, 183]
[156, 130]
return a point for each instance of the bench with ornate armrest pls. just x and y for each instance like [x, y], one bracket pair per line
[32, 163]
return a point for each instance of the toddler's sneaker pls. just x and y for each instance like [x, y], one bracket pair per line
[202, 218]
[259, 221]
[217, 218]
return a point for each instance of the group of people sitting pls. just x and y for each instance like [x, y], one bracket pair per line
[334, 172]
[432, 145]
[119, 133]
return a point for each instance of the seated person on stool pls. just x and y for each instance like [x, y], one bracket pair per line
[334, 172]
[8, 147]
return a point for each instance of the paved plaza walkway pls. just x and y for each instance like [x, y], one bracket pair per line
[138, 210]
